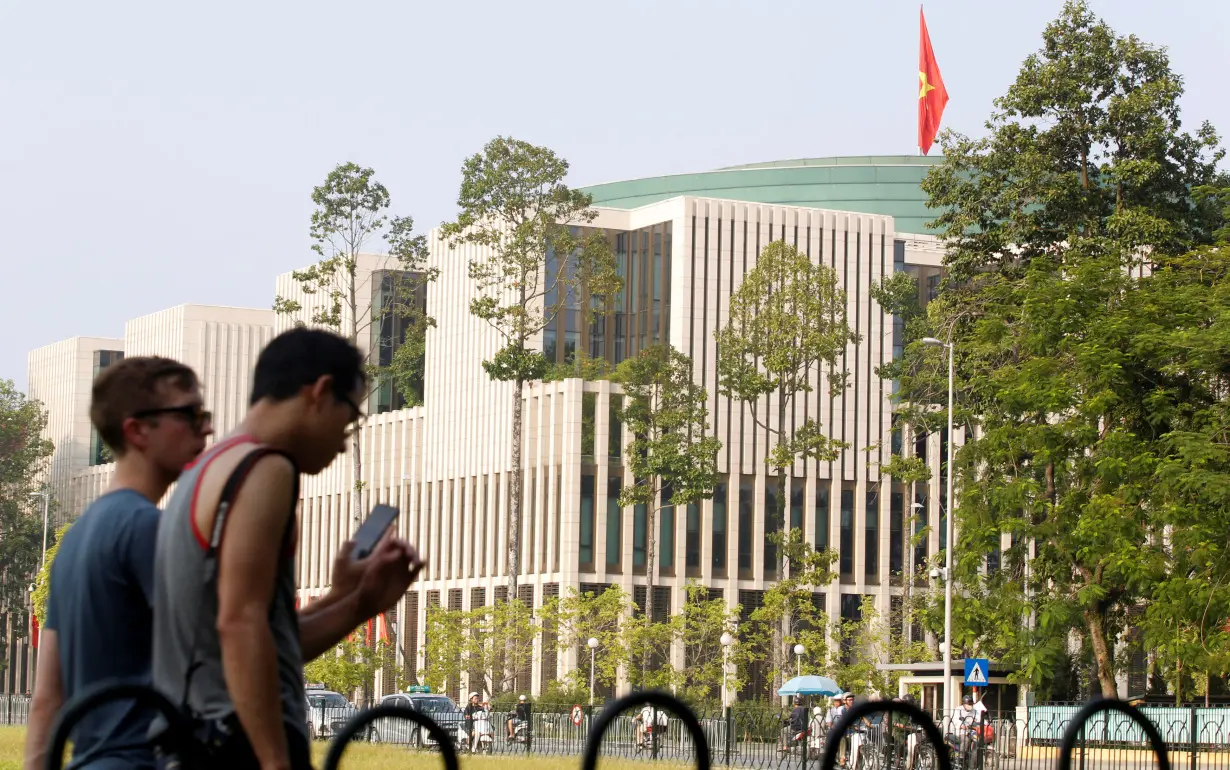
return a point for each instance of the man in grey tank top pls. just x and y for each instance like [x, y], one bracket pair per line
[228, 641]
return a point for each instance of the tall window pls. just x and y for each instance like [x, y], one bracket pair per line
[615, 440]
[587, 521]
[896, 546]
[589, 406]
[822, 515]
[772, 528]
[747, 505]
[871, 555]
[719, 528]
[692, 542]
[666, 537]
[847, 535]
[614, 524]
[639, 515]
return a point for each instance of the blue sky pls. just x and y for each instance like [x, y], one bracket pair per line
[156, 153]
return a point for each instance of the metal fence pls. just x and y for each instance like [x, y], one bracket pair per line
[14, 709]
[757, 736]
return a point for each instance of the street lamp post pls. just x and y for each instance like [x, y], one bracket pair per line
[593, 645]
[798, 659]
[948, 533]
[726, 640]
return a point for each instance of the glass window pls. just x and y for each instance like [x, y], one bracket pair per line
[639, 513]
[571, 340]
[772, 527]
[920, 524]
[615, 441]
[896, 548]
[747, 514]
[796, 504]
[589, 405]
[548, 344]
[719, 526]
[692, 544]
[847, 534]
[614, 525]
[822, 515]
[587, 520]
[871, 551]
[666, 537]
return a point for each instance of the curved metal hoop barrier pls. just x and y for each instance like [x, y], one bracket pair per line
[356, 724]
[832, 742]
[1077, 726]
[106, 692]
[657, 699]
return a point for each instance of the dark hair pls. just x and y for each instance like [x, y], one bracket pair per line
[301, 356]
[133, 385]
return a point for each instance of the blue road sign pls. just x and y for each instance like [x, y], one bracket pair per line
[977, 671]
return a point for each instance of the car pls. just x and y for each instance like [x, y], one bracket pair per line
[440, 708]
[327, 712]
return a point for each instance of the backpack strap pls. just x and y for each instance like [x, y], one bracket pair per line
[230, 490]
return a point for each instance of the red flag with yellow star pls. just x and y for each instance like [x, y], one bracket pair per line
[932, 96]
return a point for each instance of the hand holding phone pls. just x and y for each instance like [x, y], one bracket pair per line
[372, 530]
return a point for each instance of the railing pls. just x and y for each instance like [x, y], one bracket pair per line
[877, 735]
[14, 709]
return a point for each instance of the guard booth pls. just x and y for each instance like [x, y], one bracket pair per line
[999, 695]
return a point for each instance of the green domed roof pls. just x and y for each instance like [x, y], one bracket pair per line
[874, 184]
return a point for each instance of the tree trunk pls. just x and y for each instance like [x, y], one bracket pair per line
[783, 521]
[1101, 653]
[514, 527]
[651, 546]
[356, 441]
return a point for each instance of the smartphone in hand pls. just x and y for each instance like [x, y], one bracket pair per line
[372, 530]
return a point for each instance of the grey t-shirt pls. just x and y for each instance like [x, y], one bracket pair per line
[100, 608]
[186, 612]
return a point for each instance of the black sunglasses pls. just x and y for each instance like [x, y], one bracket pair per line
[193, 414]
[354, 409]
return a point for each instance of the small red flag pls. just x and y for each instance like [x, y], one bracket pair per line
[932, 96]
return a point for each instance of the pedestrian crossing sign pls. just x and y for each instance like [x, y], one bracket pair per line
[976, 671]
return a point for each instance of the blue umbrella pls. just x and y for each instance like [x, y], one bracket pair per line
[810, 685]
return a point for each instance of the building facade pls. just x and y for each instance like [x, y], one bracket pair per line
[683, 245]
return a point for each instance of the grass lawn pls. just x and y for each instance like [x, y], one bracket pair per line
[365, 757]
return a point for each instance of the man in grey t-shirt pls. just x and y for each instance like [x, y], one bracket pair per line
[232, 647]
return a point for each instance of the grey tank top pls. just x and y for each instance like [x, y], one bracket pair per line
[187, 665]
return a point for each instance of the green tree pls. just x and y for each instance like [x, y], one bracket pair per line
[445, 645]
[577, 617]
[787, 322]
[349, 666]
[1081, 185]
[501, 643]
[534, 257]
[672, 458]
[1182, 328]
[702, 621]
[790, 613]
[23, 455]
[42, 584]
[351, 212]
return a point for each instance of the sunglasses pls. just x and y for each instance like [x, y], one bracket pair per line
[194, 414]
[357, 419]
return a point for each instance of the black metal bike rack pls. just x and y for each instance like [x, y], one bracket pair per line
[1077, 726]
[832, 741]
[177, 734]
[357, 723]
[657, 699]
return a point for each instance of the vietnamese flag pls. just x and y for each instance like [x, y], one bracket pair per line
[932, 96]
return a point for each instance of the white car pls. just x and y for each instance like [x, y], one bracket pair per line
[327, 712]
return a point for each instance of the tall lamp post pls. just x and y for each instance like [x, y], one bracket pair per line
[46, 509]
[593, 645]
[726, 640]
[798, 659]
[947, 651]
